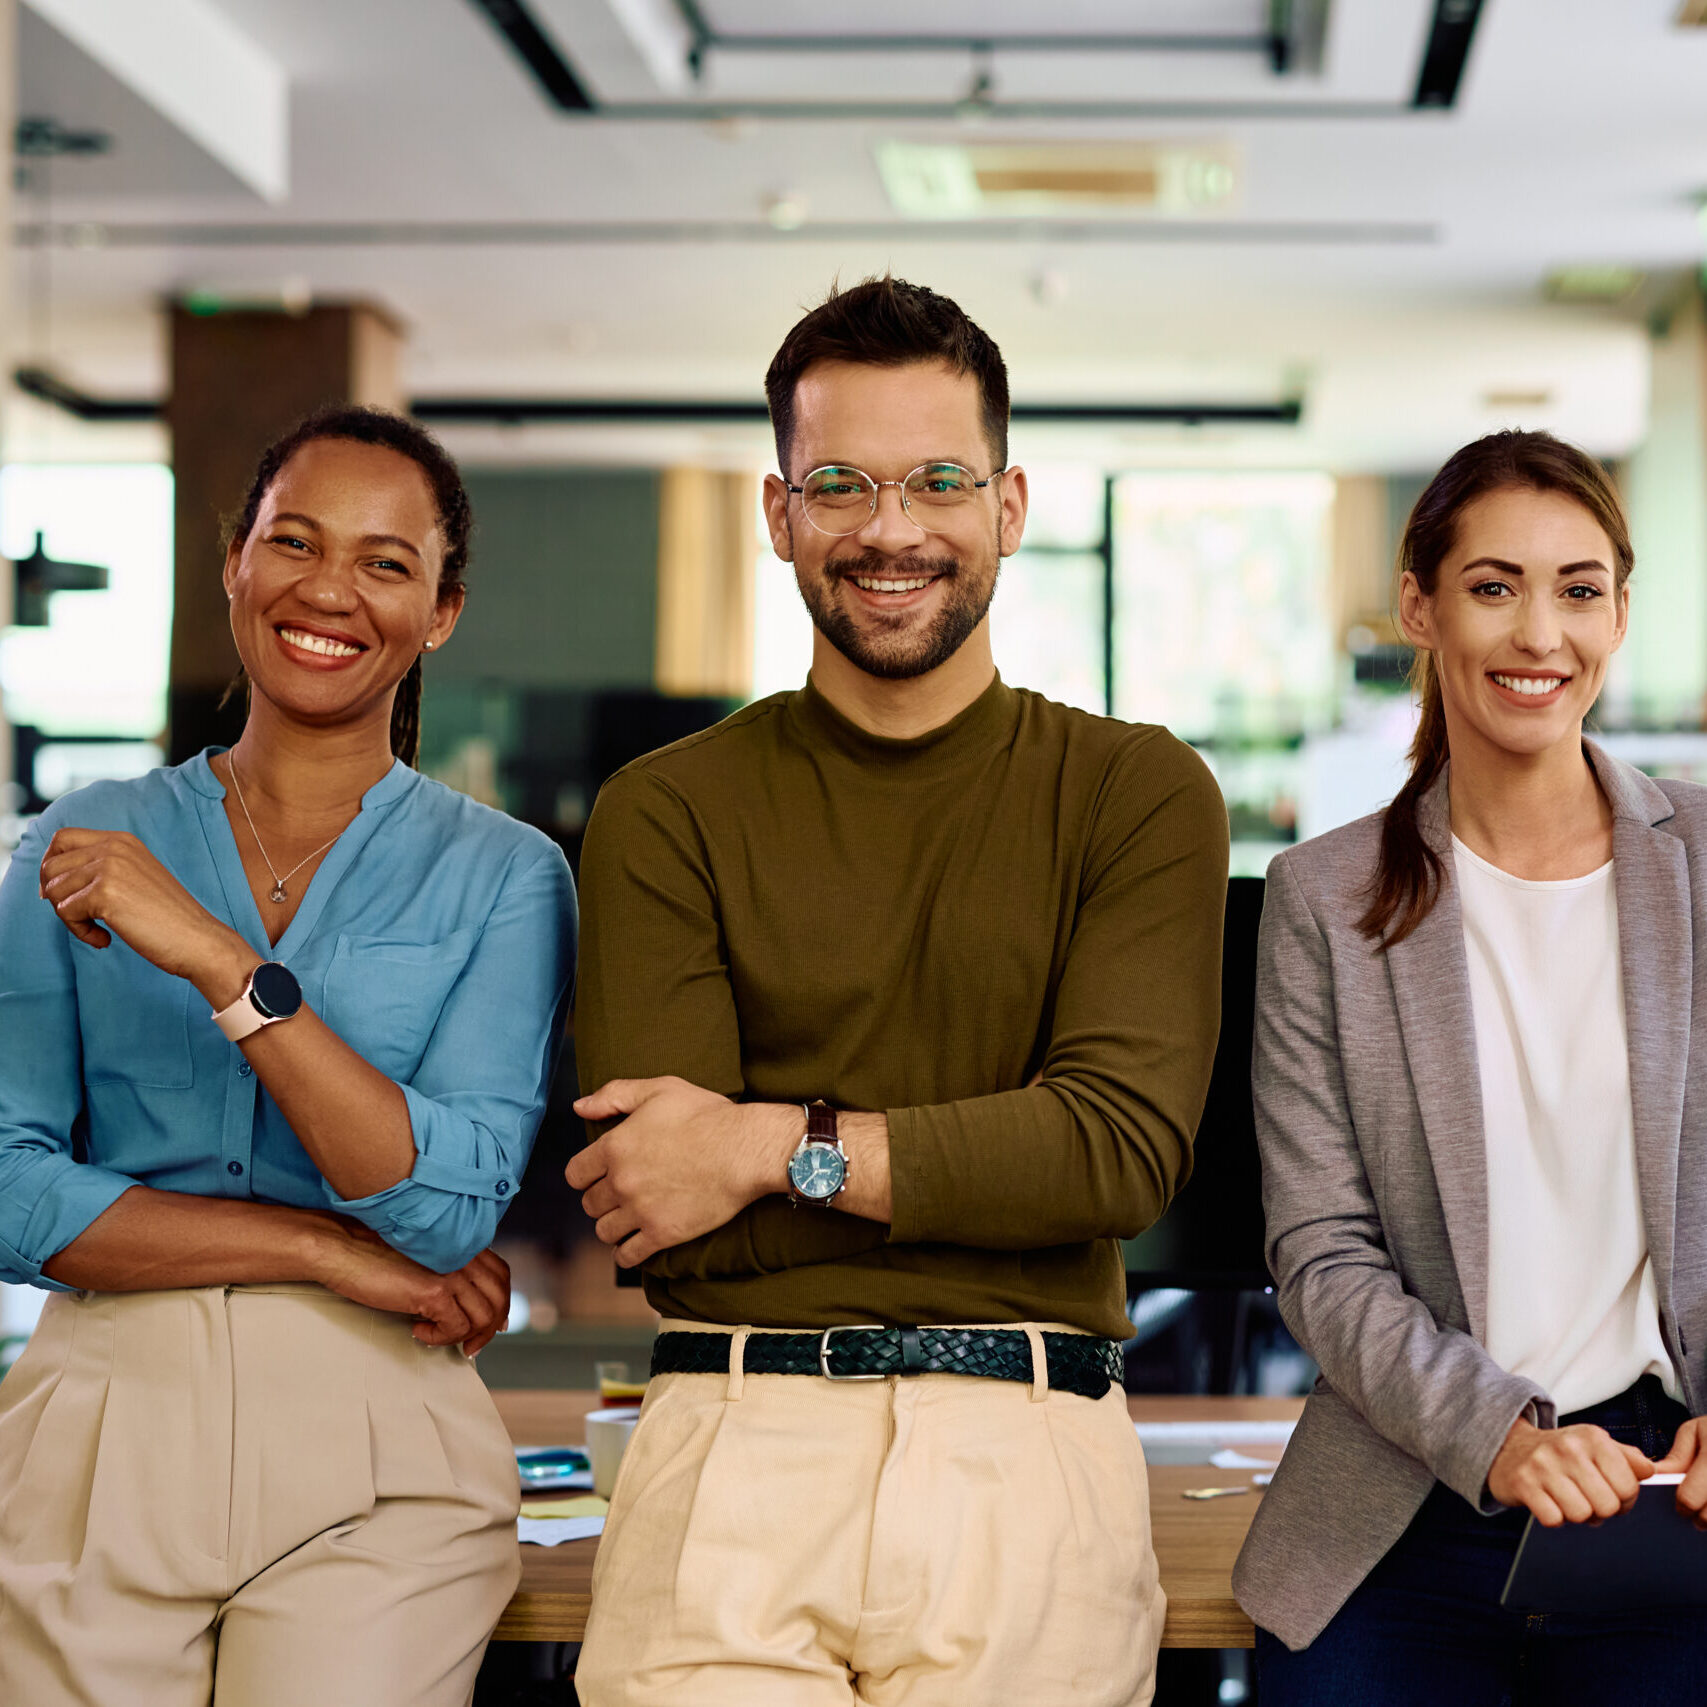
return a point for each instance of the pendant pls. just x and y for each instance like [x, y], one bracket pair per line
[279, 893]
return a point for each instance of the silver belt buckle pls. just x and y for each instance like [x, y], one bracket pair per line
[824, 1350]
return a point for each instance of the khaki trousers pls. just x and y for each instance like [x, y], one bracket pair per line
[256, 1496]
[927, 1540]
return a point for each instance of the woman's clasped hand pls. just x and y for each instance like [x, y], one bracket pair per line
[468, 1307]
[1580, 1474]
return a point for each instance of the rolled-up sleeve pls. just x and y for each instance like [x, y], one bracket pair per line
[477, 1098]
[47, 1196]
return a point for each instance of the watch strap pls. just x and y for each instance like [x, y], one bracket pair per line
[821, 1130]
[244, 1017]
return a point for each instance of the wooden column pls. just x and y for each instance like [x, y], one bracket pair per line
[238, 381]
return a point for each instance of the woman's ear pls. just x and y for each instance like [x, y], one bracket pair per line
[445, 619]
[1621, 608]
[1416, 613]
[233, 556]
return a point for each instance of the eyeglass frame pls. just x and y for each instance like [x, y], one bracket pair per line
[877, 488]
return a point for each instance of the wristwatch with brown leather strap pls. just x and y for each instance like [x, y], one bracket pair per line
[818, 1169]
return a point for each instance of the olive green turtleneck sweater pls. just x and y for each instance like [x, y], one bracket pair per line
[1005, 933]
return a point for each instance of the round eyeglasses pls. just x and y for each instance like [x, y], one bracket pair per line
[840, 500]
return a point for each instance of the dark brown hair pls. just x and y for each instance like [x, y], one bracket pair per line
[887, 322]
[1407, 880]
[389, 431]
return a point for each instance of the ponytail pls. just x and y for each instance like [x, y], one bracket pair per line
[1408, 878]
[406, 717]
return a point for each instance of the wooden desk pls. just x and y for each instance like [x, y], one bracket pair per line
[1196, 1541]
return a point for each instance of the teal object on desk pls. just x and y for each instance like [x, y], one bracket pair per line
[546, 1467]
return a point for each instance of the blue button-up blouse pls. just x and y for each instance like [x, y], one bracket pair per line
[437, 939]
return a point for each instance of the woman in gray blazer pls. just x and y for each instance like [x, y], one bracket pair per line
[1475, 1068]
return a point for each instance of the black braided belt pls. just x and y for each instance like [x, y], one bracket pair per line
[1077, 1363]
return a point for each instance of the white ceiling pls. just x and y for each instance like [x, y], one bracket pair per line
[1384, 266]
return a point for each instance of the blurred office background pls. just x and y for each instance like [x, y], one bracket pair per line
[1257, 267]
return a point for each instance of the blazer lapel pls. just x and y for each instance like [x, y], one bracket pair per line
[1656, 953]
[1431, 988]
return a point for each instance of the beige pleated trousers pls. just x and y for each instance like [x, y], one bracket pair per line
[254, 1496]
[920, 1541]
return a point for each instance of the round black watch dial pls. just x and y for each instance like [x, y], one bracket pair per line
[274, 990]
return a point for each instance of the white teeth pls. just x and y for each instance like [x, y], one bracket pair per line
[318, 643]
[1530, 685]
[869, 585]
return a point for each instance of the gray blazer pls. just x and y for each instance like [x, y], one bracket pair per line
[1369, 1116]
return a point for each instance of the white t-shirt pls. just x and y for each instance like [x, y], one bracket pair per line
[1571, 1298]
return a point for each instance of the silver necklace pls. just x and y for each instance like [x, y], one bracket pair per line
[278, 890]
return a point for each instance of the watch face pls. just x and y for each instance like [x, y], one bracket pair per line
[817, 1171]
[274, 990]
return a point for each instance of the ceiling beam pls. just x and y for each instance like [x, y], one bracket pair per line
[552, 73]
[188, 61]
[450, 234]
[1447, 52]
[680, 411]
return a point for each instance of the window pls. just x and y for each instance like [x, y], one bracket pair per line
[99, 666]
[1222, 626]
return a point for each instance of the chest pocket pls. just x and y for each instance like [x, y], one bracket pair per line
[384, 997]
[134, 1019]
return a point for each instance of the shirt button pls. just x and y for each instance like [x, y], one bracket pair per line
[234, 1168]
[502, 1188]
[245, 1070]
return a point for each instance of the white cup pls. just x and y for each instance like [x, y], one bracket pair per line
[607, 1437]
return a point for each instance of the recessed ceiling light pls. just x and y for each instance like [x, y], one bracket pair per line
[786, 210]
[1594, 283]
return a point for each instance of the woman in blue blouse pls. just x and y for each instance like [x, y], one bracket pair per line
[278, 1030]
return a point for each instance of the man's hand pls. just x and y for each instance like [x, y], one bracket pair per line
[108, 878]
[1688, 1457]
[1578, 1474]
[680, 1162]
[467, 1307]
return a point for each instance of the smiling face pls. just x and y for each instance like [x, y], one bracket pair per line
[1522, 622]
[335, 590]
[895, 599]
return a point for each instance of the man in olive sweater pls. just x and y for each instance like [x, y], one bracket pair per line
[898, 998]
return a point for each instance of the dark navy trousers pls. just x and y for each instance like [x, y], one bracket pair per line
[1426, 1628]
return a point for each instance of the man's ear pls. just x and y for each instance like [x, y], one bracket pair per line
[1015, 497]
[776, 517]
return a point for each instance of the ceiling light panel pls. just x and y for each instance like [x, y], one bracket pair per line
[1029, 180]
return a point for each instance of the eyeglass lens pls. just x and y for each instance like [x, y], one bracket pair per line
[841, 500]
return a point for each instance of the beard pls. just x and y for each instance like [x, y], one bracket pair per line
[896, 646]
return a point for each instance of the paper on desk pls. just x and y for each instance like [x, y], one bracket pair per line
[1275, 1433]
[1228, 1459]
[585, 1505]
[554, 1531]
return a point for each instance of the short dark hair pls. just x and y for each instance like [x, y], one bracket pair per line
[887, 322]
[367, 426]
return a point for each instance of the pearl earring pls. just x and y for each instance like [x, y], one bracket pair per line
[431, 644]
